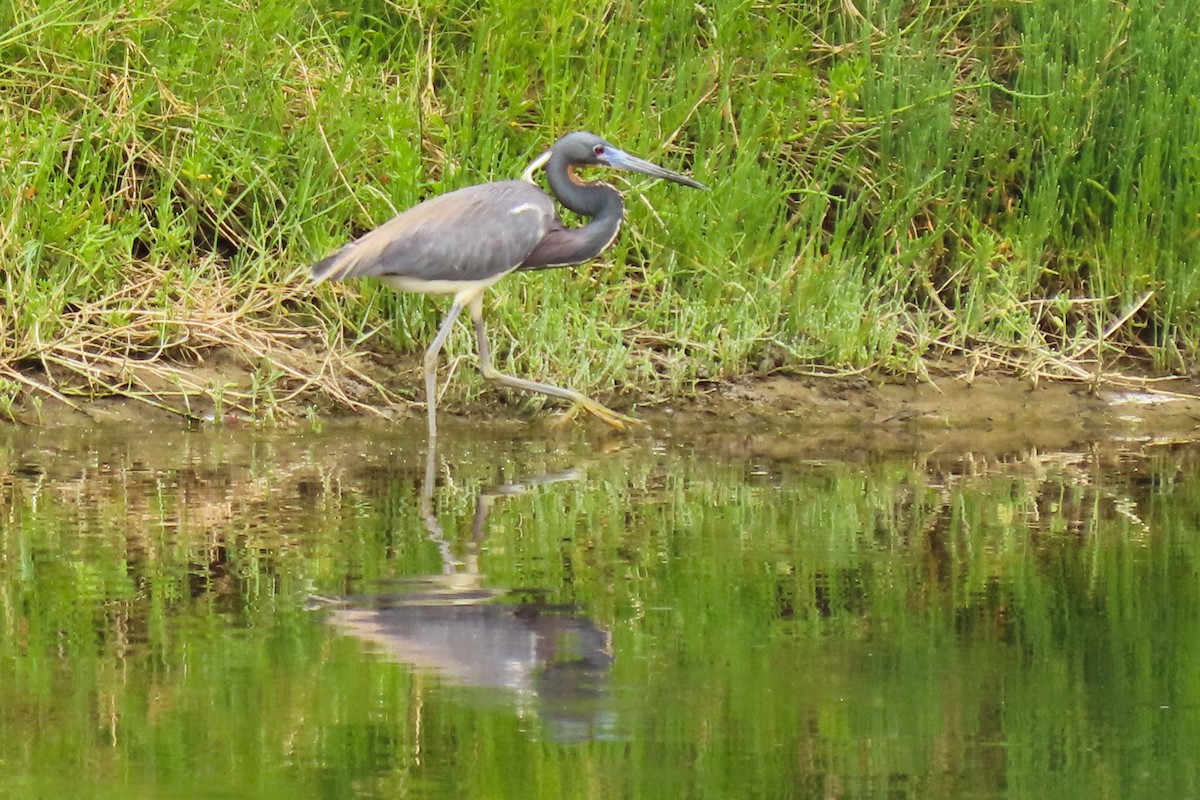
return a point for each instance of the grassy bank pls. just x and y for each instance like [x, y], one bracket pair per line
[1014, 183]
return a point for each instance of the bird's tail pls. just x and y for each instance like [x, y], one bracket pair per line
[331, 268]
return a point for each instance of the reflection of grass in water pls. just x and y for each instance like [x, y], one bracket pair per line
[775, 622]
[1011, 183]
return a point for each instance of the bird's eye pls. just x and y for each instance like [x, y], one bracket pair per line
[598, 149]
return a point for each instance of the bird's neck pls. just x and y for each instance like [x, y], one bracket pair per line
[597, 200]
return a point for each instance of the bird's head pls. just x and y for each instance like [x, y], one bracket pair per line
[587, 149]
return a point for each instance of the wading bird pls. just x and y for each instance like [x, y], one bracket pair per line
[462, 242]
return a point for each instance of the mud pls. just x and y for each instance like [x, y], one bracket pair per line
[991, 414]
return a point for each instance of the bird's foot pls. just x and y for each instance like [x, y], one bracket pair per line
[613, 419]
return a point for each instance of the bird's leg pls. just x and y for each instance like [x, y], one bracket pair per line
[431, 358]
[602, 413]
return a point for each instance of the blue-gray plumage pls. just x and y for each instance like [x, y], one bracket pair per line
[462, 242]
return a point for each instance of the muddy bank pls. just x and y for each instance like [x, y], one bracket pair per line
[992, 414]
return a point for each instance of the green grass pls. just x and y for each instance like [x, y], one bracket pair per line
[1014, 182]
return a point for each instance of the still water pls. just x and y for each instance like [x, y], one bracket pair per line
[331, 614]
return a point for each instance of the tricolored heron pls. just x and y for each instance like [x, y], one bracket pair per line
[462, 242]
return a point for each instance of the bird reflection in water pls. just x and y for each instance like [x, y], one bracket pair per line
[544, 657]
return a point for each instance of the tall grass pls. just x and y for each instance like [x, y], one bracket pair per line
[893, 183]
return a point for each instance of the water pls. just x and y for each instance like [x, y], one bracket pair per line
[287, 614]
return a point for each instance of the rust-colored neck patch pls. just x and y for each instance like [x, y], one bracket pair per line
[575, 179]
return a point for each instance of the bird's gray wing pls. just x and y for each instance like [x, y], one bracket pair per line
[466, 235]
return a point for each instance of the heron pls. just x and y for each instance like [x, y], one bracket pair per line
[462, 242]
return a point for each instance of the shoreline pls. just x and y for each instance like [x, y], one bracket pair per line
[992, 413]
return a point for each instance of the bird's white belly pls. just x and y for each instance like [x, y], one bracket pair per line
[466, 289]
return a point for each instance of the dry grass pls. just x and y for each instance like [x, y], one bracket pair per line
[210, 352]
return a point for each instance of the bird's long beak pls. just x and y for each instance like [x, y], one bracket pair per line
[619, 159]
